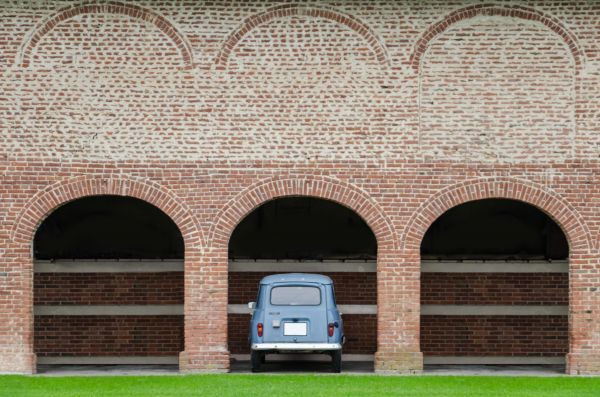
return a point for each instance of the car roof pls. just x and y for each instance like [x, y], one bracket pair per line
[295, 277]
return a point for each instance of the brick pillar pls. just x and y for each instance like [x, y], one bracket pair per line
[16, 306]
[584, 314]
[205, 312]
[398, 349]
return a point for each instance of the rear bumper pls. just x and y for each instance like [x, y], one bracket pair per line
[296, 346]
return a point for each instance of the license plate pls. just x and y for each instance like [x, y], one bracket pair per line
[294, 329]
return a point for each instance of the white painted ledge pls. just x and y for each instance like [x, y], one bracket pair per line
[306, 357]
[428, 360]
[108, 266]
[108, 360]
[492, 360]
[107, 310]
[493, 310]
[157, 310]
[344, 309]
[287, 266]
[494, 267]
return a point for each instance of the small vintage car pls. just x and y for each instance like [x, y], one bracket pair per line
[295, 313]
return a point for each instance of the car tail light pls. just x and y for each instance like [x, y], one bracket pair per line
[259, 329]
[330, 329]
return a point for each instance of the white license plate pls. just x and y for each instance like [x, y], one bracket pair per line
[294, 329]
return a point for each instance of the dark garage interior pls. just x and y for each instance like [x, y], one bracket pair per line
[494, 286]
[108, 284]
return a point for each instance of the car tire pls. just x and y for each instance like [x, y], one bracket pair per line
[336, 361]
[256, 359]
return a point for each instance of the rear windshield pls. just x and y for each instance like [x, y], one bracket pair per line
[296, 295]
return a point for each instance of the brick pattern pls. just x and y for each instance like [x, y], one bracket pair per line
[360, 330]
[521, 12]
[494, 335]
[108, 335]
[495, 288]
[108, 288]
[350, 288]
[57, 29]
[294, 11]
[515, 88]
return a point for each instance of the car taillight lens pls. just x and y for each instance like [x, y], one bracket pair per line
[259, 329]
[330, 329]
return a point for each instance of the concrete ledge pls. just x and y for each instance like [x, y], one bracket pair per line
[493, 310]
[307, 357]
[492, 360]
[431, 310]
[107, 310]
[494, 267]
[108, 360]
[173, 360]
[345, 309]
[156, 310]
[108, 266]
[284, 266]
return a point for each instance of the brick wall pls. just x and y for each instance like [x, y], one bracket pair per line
[495, 288]
[108, 335]
[108, 288]
[494, 335]
[350, 288]
[397, 110]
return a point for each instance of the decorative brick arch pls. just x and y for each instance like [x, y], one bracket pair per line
[514, 11]
[310, 186]
[577, 233]
[287, 10]
[60, 193]
[106, 7]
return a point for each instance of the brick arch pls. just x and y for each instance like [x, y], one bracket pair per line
[310, 186]
[513, 11]
[106, 7]
[577, 233]
[287, 10]
[46, 201]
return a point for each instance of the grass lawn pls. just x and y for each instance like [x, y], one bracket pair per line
[296, 385]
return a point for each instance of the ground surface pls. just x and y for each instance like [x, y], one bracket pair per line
[303, 367]
[295, 385]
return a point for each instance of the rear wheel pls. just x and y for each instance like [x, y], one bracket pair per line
[336, 361]
[256, 359]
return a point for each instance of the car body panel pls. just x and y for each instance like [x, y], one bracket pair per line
[297, 318]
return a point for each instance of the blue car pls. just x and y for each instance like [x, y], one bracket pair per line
[296, 313]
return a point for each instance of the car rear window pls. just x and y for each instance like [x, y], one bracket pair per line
[295, 295]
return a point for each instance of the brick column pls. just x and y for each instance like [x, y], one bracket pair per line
[205, 312]
[16, 306]
[398, 305]
[584, 314]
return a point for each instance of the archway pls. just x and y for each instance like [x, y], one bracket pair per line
[494, 286]
[108, 284]
[309, 235]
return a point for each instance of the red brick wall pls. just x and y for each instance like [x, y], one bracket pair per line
[108, 288]
[350, 288]
[108, 335]
[495, 288]
[494, 335]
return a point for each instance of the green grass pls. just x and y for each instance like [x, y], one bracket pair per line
[296, 385]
